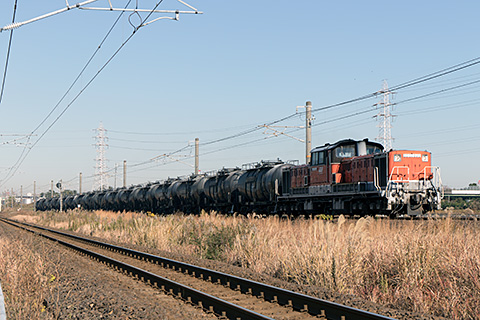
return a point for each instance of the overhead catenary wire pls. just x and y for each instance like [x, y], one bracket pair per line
[83, 69]
[19, 162]
[20, 159]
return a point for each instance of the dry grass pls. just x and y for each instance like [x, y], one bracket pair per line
[429, 266]
[28, 279]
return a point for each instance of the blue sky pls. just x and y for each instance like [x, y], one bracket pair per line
[237, 66]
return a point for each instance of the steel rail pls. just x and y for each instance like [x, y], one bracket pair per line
[297, 301]
[206, 301]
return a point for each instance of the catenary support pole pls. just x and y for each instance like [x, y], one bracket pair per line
[196, 156]
[308, 132]
[80, 184]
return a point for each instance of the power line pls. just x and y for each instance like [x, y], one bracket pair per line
[144, 141]
[438, 74]
[177, 133]
[440, 83]
[444, 107]
[443, 130]
[130, 148]
[439, 91]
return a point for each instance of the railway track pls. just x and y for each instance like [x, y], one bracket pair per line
[227, 296]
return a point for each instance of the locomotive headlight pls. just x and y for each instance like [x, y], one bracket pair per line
[397, 158]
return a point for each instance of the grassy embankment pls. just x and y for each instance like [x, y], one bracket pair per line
[430, 266]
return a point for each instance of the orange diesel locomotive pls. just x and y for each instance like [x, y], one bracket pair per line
[359, 177]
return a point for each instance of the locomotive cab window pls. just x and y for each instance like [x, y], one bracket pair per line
[321, 158]
[344, 152]
[314, 158]
[318, 158]
[373, 150]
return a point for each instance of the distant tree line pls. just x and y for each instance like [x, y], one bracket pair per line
[460, 203]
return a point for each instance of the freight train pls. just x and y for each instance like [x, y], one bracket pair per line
[353, 177]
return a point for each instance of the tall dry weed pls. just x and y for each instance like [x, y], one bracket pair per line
[425, 266]
[28, 281]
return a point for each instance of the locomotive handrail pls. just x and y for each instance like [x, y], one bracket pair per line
[437, 179]
[375, 179]
[398, 174]
[437, 183]
[390, 180]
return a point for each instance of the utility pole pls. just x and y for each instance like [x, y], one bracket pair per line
[21, 196]
[124, 173]
[61, 197]
[80, 184]
[34, 195]
[196, 156]
[12, 197]
[51, 189]
[308, 132]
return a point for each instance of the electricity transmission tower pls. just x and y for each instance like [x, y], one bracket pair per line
[101, 176]
[384, 117]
